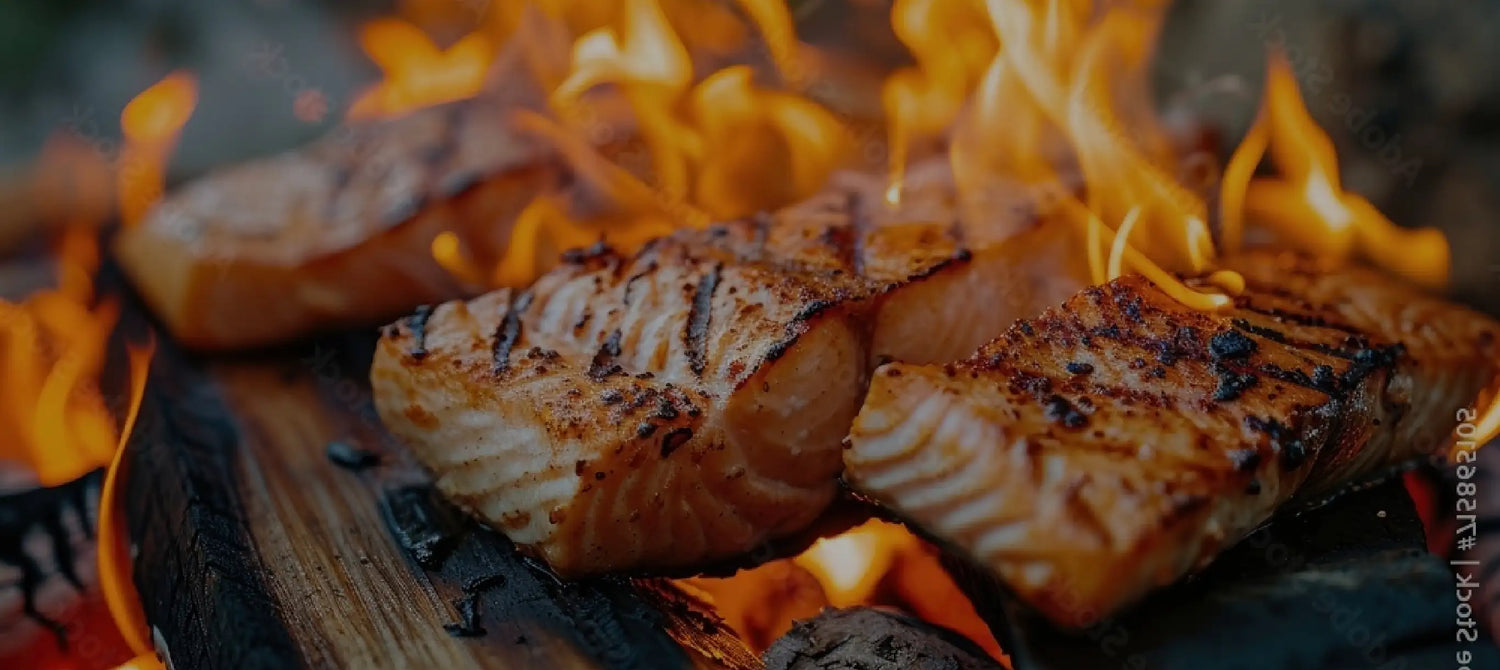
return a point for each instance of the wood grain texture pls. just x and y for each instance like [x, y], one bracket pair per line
[258, 551]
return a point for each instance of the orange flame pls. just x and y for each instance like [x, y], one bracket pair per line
[951, 45]
[876, 563]
[114, 554]
[151, 123]
[1065, 93]
[416, 73]
[52, 351]
[52, 417]
[1306, 206]
[720, 147]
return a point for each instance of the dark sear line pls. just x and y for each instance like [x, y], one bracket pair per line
[958, 233]
[604, 364]
[509, 331]
[1282, 338]
[762, 221]
[630, 282]
[859, 226]
[417, 322]
[699, 317]
[1297, 318]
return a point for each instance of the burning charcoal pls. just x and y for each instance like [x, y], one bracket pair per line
[46, 538]
[873, 639]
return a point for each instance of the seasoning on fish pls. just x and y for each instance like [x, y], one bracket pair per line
[1093, 454]
[684, 405]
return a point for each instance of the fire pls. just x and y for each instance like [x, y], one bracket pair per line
[114, 554]
[418, 73]
[875, 563]
[1306, 206]
[1061, 107]
[53, 418]
[716, 147]
[151, 123]
[723, 144]
[52, 352]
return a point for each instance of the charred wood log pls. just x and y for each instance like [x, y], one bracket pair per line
[873, 639]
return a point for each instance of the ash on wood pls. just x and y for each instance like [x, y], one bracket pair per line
[260, 548]
[866, 638]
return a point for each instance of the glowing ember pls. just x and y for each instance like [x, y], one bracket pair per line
[876, 563]
[851, 564]
[151, 123]
[418, 73]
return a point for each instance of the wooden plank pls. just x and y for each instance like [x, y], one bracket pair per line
[257, 550]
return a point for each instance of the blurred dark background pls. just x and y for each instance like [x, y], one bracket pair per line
[1409, 89]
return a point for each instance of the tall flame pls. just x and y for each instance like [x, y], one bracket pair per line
[718, 147]
[1305, 206]
[151, 123]
[52, 352]
[873, 564]
[1062, 107]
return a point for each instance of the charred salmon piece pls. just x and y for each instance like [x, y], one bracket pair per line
[678, 407]
[335, 233]
[1120, 440]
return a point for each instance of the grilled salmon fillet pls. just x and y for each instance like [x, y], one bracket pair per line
[1120, 440]
[684, 405]
[337, 232]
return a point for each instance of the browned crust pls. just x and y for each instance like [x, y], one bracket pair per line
[1147, 436]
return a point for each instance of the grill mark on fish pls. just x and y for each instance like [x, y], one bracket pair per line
[1297, 318]
[858, 227]
[604, 364]
[630, 282]
[700, 315]
[1293, 451]
[509, 332]
[583, 255]
[1282, 338]
[762, 231]
[417, 322]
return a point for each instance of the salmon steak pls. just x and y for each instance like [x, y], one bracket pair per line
[336, 233]
[1120, 441]
[685, 404]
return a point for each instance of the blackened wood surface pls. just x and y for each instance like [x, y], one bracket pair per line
[279, 526]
